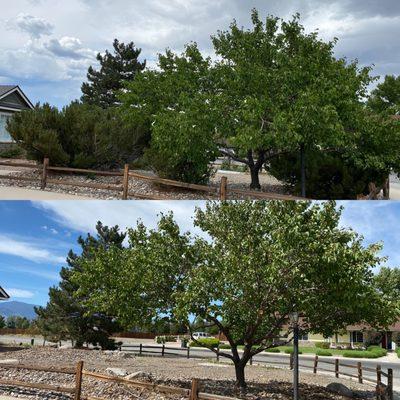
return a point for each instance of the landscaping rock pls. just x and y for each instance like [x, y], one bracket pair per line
[139, 375]
[341, 389]
[117, 371]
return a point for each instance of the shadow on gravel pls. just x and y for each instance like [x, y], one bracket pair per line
[6, 349]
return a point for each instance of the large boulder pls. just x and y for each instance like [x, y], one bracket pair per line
[341, 389]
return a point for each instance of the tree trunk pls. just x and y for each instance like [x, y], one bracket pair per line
[255, 180]
[240, 378]
[303, 170]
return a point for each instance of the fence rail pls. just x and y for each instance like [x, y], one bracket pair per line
[192, 393]
[222, 192]
[383, 391]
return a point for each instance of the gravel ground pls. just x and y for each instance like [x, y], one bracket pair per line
[139, 186]
[263, 382]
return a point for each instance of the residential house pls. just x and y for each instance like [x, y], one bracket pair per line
[12, 100]
[358, 335]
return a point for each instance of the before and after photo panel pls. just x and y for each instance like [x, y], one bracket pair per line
[199, 200]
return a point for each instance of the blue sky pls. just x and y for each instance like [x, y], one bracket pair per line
[46, 46]
[36, 236]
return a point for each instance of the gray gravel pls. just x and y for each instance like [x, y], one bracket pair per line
[264, 383]
[139, 186]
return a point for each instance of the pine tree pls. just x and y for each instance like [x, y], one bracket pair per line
[115, 68]
[64, 317]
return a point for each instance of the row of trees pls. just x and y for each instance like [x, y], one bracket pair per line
[16, 322]
[252, 265]
[276, 97]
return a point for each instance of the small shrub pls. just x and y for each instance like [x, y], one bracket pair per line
[208, 342]
[323, 352]
[225, 346]
[12, 152]
[378, 350]
[273, 350]
[360, 354]
[322, 345]
[290, 351]
[398, 352]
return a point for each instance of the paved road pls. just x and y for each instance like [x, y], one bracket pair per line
[282, 360]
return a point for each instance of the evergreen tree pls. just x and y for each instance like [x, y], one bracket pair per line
[115, 68]
[64, 316]
[2, 322]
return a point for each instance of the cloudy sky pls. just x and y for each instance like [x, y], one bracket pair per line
[35, 236]
[46, 46]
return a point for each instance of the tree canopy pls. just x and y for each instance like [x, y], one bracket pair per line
[104, 84]
[253, 264]
[385, 98]
[65, 316]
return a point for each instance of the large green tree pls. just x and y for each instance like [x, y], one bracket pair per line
[65, 316]
[254, 264]
[169, 102]
[115, 68]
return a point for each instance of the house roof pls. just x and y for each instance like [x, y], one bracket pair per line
[3, 294]
[6, 90]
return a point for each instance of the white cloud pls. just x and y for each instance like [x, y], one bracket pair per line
[69, 47]
[34, 26]
[20, 293]
[28, 251]
[82, 216]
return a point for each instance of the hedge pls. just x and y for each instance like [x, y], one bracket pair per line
[290, 351]
[379, 350]
[208, 342]
[322, 345]
[323, 352]
[273, 350]
[361, 354]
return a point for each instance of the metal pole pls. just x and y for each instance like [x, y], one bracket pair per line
[296, 362]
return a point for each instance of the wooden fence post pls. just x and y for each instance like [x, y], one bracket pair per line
[43, 182]
[390, 384]
[251, 360]
[163, 350]
[291, 361]
[315, 364]
[125, 183]
[337, 368]
[140, 349]
[378, 374]
[359, 368]
[223, 188]
[188, 352]
[78, 380]
[194, 390]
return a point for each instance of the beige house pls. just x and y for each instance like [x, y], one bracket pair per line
[358, 335]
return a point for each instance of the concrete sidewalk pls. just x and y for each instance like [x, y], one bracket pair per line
[17, 193]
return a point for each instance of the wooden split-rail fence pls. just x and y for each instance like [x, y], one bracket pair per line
[192, 393]
[339, 367]
[222, 192]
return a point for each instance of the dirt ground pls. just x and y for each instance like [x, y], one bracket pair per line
[217, 378]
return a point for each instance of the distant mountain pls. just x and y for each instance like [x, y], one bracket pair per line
[8, 308]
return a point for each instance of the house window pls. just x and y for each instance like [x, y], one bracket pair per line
[357, 337]
[4, 135]
[303, 336]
